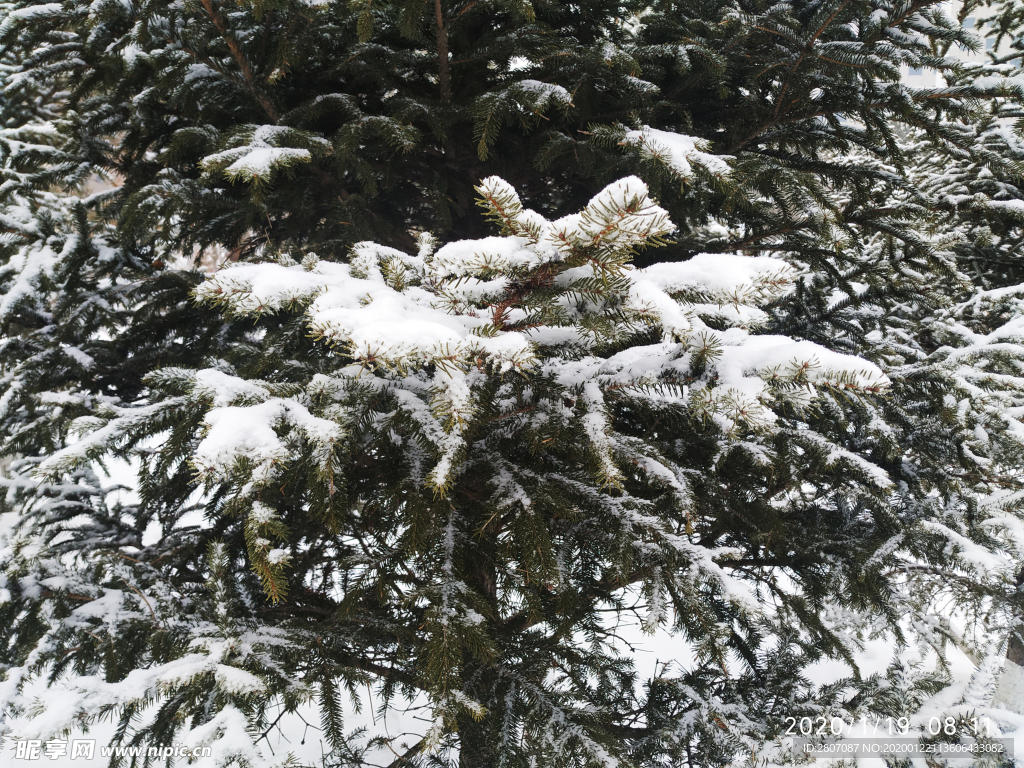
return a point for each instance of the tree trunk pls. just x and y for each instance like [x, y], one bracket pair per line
[1010, 688]
[479, 741]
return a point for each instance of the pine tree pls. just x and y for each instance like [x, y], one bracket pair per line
[400, 443]
[981, 204]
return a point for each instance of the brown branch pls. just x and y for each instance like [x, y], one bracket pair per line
[240, 59]
[403, 759]
[137, 592]
[365, 665]
[807, 49]
[69, 595]
[263, 736]
[523, 620]
[444, 77]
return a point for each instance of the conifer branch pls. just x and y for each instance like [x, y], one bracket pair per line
[406, 757]
[806, 48]
[241, 59]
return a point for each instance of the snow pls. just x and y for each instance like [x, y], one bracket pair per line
[80, 357]
[241, 432]
[648, 298]
[250, 432]
[225, 389]
[260, 161]
[1013, 205]
[747, 362]
[620, 216]
[388, 326]
[36, 11]
[261, 514]
[999, 82]
[678, 151]
[199, 72]
[454, 397]
[226, 733]
[595, 423]
[259, 158]
[30, 264]
[468, 257]
[95, 439]
[980, 558]
[545, 92]
[722, 275]
[237, 681]
[256, 288]
[756, 354]
[278, 556]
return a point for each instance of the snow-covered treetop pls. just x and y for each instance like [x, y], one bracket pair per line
[558, 299]
[542, 292]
